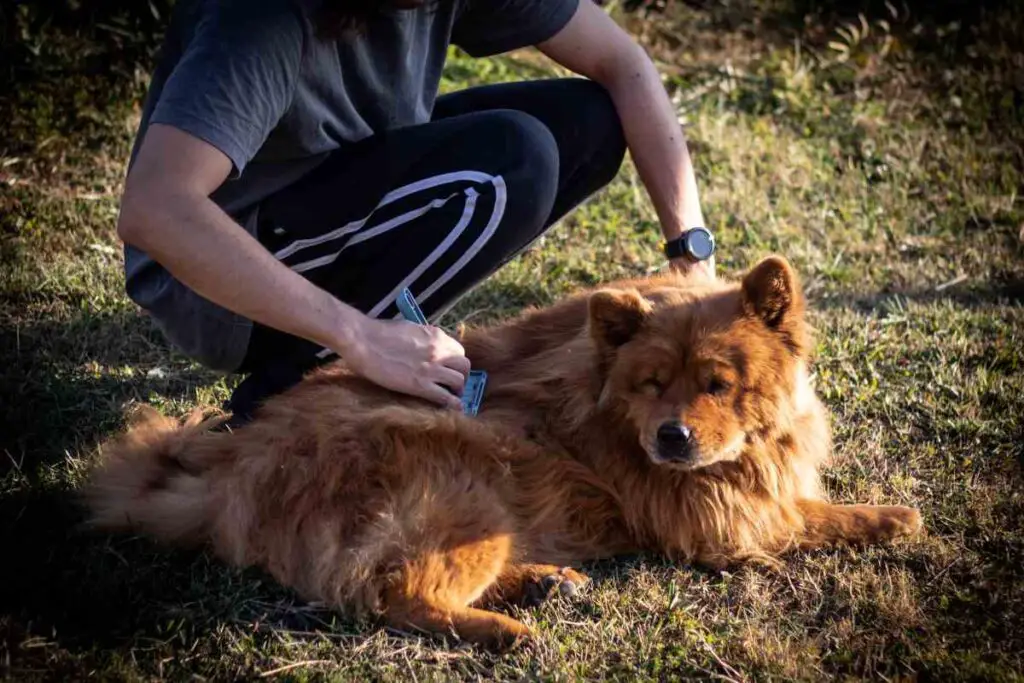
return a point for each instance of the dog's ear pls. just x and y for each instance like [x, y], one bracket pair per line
[616, 315]
[771, 292]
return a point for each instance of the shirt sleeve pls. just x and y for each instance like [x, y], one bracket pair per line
[236, 76]
[489, 27]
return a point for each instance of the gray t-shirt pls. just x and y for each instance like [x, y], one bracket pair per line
[254, 79]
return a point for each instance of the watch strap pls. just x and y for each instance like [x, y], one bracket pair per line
[676, 248]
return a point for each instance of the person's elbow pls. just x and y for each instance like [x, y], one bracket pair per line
[173, 175]
[131, 220]
[145, 209]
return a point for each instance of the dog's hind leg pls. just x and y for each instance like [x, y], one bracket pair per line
[826, 524]
[456, 538]
[531, 584]
[434, 591]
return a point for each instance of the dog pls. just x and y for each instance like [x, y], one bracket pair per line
[652, 415]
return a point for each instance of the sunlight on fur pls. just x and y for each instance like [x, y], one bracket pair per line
[653, 415]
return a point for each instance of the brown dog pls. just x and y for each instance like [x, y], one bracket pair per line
[653, 415]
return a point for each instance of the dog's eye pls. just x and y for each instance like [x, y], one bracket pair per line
[718, 386]
[652, 386]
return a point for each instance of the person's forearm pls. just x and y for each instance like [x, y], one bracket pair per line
[656, 142]
[207, 251]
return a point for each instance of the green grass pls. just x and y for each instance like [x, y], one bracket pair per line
[883, 157]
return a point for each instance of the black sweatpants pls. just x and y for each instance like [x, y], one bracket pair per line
[436, 208]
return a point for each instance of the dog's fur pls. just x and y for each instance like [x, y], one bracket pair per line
[360, 498]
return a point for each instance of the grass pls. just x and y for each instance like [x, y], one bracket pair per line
[882, 154]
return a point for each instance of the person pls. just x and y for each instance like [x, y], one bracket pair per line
[295, 168]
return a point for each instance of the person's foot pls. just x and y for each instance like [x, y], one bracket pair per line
[260, 385]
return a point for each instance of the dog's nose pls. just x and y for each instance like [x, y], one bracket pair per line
[674, 440]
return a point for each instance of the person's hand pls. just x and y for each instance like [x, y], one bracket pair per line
[694, 269]
[412, 359]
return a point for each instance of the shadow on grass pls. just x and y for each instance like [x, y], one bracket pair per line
[941, 29]
[74, 599]
[1008, 288]
[955, 51]
[64, 386]
[67, 65]
[66, 383]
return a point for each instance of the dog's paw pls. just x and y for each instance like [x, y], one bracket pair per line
[898, 521]
[567, 582]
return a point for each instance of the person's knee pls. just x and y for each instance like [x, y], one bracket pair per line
[529, 166]
[527, 142]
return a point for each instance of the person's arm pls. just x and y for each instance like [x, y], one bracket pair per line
[167, 212]
[594, 46]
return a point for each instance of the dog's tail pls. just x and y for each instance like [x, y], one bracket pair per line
[155, 479]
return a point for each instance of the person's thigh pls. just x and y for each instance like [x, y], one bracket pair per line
[581, 117]
[435, 208]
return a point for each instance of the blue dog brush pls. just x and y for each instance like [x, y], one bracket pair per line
[473, 393]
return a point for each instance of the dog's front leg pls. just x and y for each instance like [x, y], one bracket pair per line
[827, 524]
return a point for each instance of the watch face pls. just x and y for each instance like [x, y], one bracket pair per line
[700, 244]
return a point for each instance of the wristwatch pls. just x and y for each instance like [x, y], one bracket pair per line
[697, 244]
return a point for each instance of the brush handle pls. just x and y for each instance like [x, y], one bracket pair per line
[473, 392]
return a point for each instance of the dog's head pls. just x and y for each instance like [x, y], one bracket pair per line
[698, 371]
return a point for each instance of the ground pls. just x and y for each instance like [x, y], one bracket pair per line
[881, 153]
